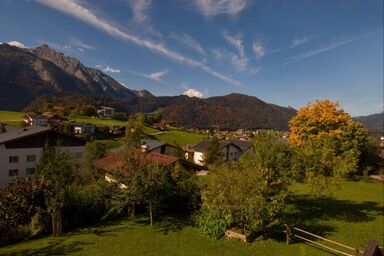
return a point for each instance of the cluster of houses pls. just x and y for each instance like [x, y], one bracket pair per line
[21, 149]
[76, 128]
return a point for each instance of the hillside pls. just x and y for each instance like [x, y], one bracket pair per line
[29, 73]
[229, 112]
[375, 122]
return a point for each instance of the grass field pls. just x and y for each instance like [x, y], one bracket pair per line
[354, 215]
[12, 118]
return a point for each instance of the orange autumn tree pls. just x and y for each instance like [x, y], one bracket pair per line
[324, 118]
[329, 142]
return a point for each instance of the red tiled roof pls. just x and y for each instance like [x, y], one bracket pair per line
[115, 160]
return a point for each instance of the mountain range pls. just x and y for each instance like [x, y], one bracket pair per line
[26, 74]
[29, 78]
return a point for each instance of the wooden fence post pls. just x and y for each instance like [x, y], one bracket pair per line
[287, 233]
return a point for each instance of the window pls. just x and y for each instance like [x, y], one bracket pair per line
[13, 173]
[13, 159]
[31, 158]
[30, 171]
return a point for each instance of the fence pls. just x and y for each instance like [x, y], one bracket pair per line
[292, 232]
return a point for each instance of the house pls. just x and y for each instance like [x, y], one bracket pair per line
[106, 112]
[83, 128]
[231, 150]
[156, 146]
[115, 160]
[42, 119]
[117, 130]
[36, 119]
[21, 149]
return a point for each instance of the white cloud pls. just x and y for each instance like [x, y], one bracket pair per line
[299, 41]
[86, 15]
[17, 44]
[139, 10]
[157, 76]
[318, 51]
[189, 42]
[111, 70]
[193, 93]
[216, 7]
[258, 50]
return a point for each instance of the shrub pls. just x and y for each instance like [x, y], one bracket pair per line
[209, 224]
[83, 205]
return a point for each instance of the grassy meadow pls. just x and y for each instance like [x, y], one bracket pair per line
[353, 215]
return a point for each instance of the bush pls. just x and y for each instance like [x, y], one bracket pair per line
[83, 205]
[209, 224]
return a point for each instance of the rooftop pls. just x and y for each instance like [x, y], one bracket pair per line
[22, 132]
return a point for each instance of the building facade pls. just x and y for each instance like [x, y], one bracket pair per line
[21, 149]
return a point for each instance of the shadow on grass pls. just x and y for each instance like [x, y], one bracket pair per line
[53, 248]
[167, 224]
[309, 208]
[309, 213]
[108, 228]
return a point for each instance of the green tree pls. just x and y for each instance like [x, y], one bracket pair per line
[213, 154]
[92, 152]
[134, 130]
[88, 110]
[249, 199]
[140, 182]
[22, 204]
[58, 166]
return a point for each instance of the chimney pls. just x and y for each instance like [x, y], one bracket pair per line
[144, 148]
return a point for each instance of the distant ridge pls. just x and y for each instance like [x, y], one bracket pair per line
[375, 122]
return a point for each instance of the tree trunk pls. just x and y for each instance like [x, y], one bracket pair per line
[56, 223]
[53, 224]
[150, 213]
[133, 210]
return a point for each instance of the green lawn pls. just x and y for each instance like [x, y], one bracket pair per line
[12, 118]
[354, 215]
[180, 137]
[97, 121]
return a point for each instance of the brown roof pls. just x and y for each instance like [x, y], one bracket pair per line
[115, 160]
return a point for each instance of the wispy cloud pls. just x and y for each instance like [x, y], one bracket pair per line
[216, 7]
[140, 9]
[194, 93]
[239, 59]
[321, 50]
[189, 42]
[17, 44]
[299, 41]
[258, 50]
[80, 44]
[74, 9]
[157, 76]
[141, 18]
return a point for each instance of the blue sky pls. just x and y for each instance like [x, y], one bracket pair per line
[284, 52]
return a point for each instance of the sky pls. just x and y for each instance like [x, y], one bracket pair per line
[284, 52]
